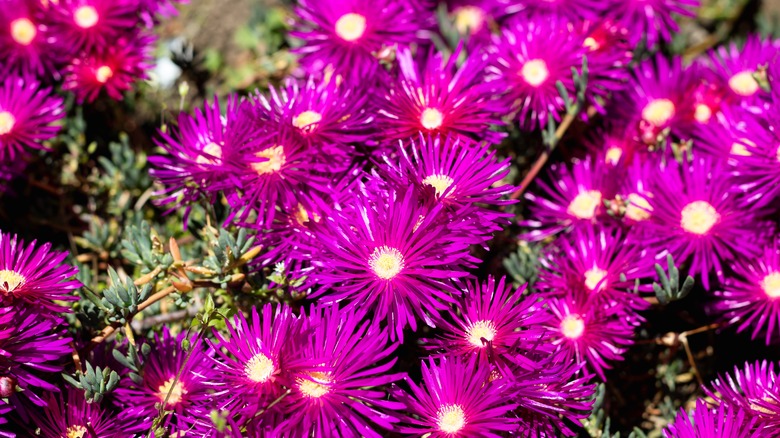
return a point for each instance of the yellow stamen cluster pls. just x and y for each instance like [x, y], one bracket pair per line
[584, 205]
[450, 419]
[572, 326]
[10, 280]
[535, 72]
[469, 19]
[276, 159]
[210, 150]
[771, 285]
[699, 217]
[103, 74]
[76, 432]
[260, 368]
[23, 31]
[440, 182]
[638, 208]
[431, 119]
[350, 27]
[594, 279]
[86, 17]
[7, 122]
[744, 84]
[479, 330]
[307, 120]
[386, 262]
[658, 112]
[317, 385]
[176, 391]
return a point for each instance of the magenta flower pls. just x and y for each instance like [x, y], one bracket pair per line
[614, 147]
[736, 66]
[491, 321]
[724, 421]
[549, 393]
[650, 20]
[250, 362]
[86, 25]
[391, 256]
[158, 384]
[698, 218]
[749, 298]
[589, 334]
[462, 176]
[522, 63]
[457, 398]
[346, 36]
[473, 18]
[26, 46]
[575, 198]
[77, 418]
[28, 113]
[327, 115]
[339, 365]
[656, 101]
[31, 349]
[635, 194]
[35, 275]
[604, 263]
[609, 55]
[753, 389]
[115, 70]
[205, 153]
[441, 98]
[571, 10]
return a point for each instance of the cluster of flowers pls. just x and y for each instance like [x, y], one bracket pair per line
[373, 208]
[86, 46]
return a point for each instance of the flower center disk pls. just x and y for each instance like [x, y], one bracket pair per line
[317, 385]
[658, 112]
[771, 285]
[744, 84]
[431, 119]
[10, 280]
[584, 205]
[572, 326]
[469, 19]
[386, 262]
[481, 330]
[439, 182]
[699, 217]
[259, 368]
[450, 418]
[307, 120]
[23, 31]
[176, 392]
[594, 279]
[350, 27]
[276, 159]
[7, 122]
[535, 72]
[86, 17]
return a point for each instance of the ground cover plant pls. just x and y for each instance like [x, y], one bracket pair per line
[467, 218]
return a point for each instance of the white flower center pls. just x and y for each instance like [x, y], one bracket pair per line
[572, 326]
[259, 368]
[75, 432]
[591, 44]
[479, 330]
[613, 155]
[7, 122]
[10, 280]
[210, 150]
[535, 72]
[771, 285]
[307, 120]
[703, 113]
[469, 19]
[584, 205]
[386, 262]
[440, 182]
[638, 208]
[23, 31]
[317, 385]
[177, 392]
[658, 112]
[744, 84]
[276, 159]
[699, 217]
[350, 27]
[86, 17]
[103, 74]
[594, 279]
[450, 419]
[431, 119]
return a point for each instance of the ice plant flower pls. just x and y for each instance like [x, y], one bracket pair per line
[650, 20]
[608, 55]
[337, 370]
[457, 398]
[178, 379]
[28, 113]
[391, 256]
[75, 418]
[724, 421]
[522, 63]
[655, 103]
[754, 389]
[325, 114]
[588, 333]
[249, 361]
[737, 67]
[575, 198]
[87, 25]
[345, 35]
[459, 174]
[601, 261]
[491, 320]
[472, 18]
[699, 218]
[749, 299]
[115, 70]
[634, 201]
[35, 275]
[204, 153]
[31, 350]
[25, 43]
[441, 98]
